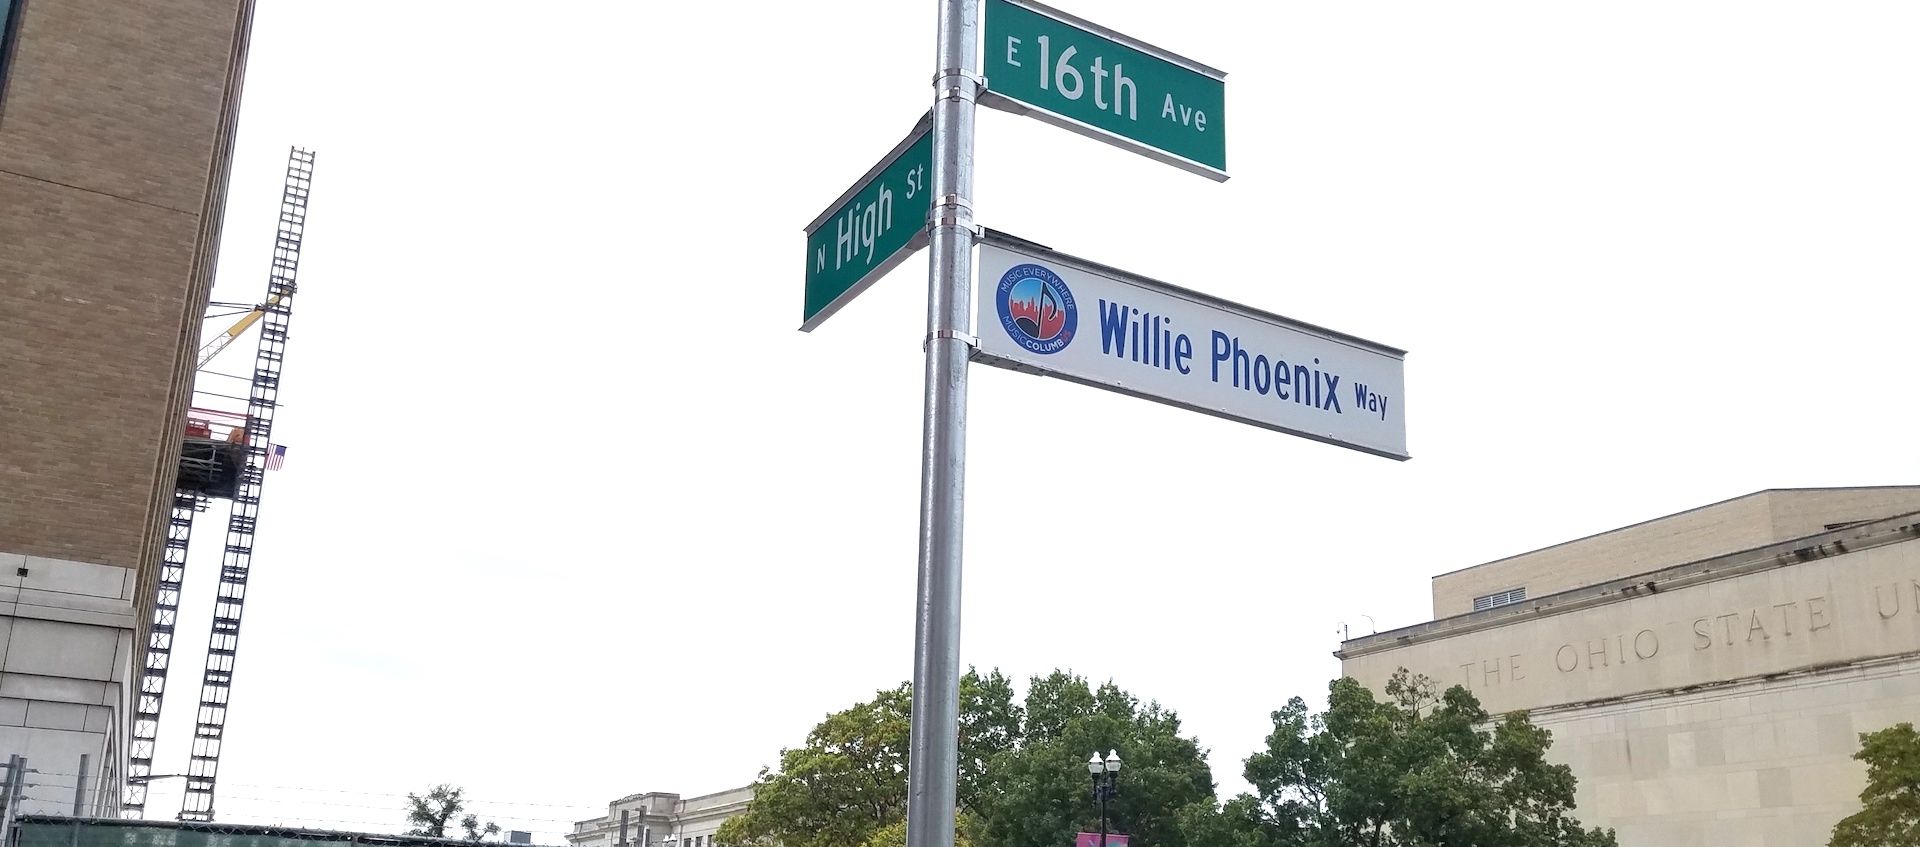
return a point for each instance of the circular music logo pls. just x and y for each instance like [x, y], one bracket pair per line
[1036, 309]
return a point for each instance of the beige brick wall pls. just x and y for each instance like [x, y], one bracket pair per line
[1742, 523]
[88, 340]
[119, 98]
[109, 122]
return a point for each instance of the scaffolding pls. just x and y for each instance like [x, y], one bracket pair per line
[153, 680]
[223, 645]
[230, 467]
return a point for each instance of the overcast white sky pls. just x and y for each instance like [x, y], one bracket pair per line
[573, 511]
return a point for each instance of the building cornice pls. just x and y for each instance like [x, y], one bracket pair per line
[1765, 492]
[1852, 539]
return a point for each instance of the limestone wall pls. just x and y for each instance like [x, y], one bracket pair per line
[1851, 607]
[1761, 764]
[1718, 705]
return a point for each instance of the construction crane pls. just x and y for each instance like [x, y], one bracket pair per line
[230, 467]
[220, 342]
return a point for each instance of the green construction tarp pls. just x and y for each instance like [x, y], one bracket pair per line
[41, 831]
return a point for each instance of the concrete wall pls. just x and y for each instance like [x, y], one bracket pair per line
[1711, 703]
[67, 654]
[116, 124]
[1742, 523]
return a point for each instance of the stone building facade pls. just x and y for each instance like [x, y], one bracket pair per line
[661, 820]
[1705, 675]
[116, 130]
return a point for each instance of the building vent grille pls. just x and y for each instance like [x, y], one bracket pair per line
[1499, 598]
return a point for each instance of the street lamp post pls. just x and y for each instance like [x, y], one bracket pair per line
[1106, 784]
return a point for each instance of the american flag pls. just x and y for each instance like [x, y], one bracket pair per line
[276, 456]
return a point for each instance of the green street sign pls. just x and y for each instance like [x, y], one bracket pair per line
[1101, 84]
[873, 227]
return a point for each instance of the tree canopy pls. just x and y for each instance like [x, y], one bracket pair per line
[430, 813]
[1890, 816]
[839, 789]
[1419, 769]
[1416, 770]
[1022, 781]
[1038, 793]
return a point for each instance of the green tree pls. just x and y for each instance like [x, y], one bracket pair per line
[1235, 824]
[1022, 776]
[841, 788]
[430, 813]
[848, 784]
[990, 725]
[1891, 813]
[1038, 793]
[470, 824]
[1417, 770]
[895, 834]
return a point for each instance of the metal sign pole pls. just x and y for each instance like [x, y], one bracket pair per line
[934, 756]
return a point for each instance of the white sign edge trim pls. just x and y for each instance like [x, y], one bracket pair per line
[1015, 106]
[1119, 388]
[1090, 27]
[1015, 244]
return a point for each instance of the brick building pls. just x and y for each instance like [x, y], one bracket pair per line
[1706, 675]
[116, 131]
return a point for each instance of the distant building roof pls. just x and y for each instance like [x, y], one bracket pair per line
[1741, 523]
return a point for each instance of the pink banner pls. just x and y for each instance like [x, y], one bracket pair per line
[1092, 839]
